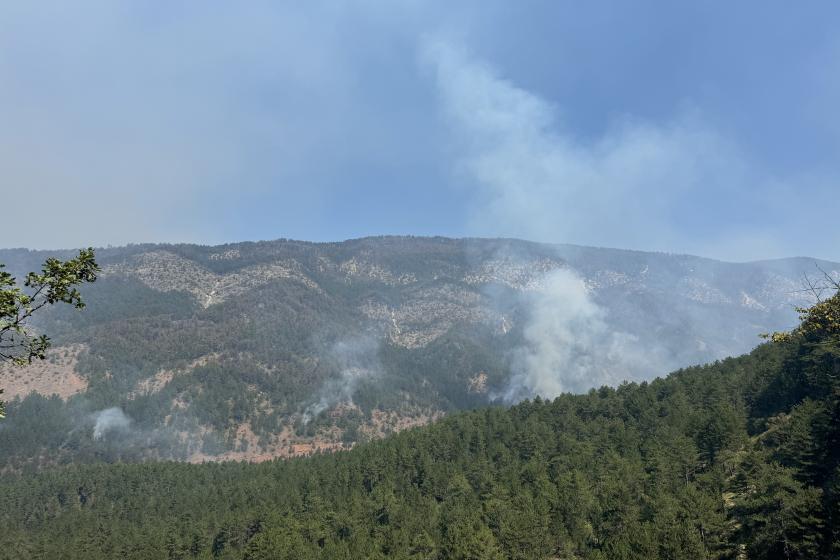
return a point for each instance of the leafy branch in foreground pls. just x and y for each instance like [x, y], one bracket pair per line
[57, 282]
[822, 318]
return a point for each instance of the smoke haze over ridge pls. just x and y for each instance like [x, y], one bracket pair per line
[279, 121]
[318, 122]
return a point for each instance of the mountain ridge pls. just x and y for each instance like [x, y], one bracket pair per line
[268, 345]
[395, 237]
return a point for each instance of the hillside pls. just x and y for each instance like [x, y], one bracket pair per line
[256, 350]
[738, 459]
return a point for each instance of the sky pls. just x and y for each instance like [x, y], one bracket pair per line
[707, 128]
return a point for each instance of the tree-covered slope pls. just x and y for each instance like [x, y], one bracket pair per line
[253, 350]
[737, 459]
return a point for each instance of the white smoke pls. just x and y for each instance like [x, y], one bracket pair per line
[530, 175]
[108, 420]
[533, 178]
[569, 345]
[357, 361]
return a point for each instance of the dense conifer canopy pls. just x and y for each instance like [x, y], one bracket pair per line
[740, 456]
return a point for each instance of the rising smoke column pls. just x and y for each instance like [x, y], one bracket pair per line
[569, 345]
[357, 360]
[531, 177]
[109, 419]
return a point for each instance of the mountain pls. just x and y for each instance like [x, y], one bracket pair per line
[280, 348]
[737, 459]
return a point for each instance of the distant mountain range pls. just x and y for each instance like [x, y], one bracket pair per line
[255, 350]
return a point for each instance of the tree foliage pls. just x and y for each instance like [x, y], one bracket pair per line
[57, 282]
[740, 457]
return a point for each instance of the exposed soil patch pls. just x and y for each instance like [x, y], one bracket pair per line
[56, 375]
[283, 445]
[159, 380]
[286, 444]
[383, 423]
[478, 383]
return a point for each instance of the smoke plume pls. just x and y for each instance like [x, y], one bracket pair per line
[108, 420]
[532, 178]
[569, 345]
[357, 361]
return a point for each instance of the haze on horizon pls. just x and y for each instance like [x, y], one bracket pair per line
[710, 130]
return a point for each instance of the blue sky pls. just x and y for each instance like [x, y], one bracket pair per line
[710, 129]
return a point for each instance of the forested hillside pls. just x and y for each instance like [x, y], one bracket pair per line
[737, 459]
[256, 350]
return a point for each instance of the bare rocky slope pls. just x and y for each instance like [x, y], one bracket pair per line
[255, 350]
